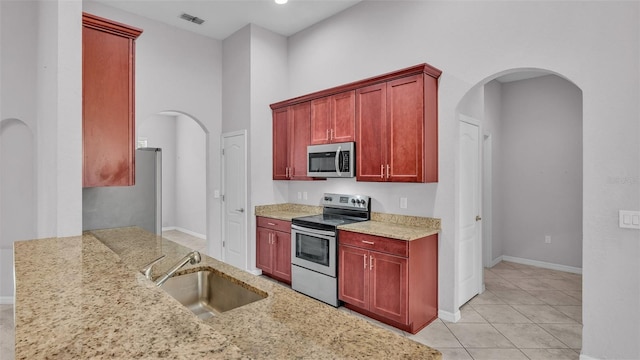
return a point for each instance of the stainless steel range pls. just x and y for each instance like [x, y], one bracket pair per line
[314, 245]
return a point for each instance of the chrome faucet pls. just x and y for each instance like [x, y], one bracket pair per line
[192, 257]
[148, 269]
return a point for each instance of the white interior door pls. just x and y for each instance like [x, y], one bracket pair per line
[470, 244]
[234, 199]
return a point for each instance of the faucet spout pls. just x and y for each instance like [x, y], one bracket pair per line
[192, 257]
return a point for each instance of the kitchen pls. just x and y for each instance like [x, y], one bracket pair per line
[294, 59]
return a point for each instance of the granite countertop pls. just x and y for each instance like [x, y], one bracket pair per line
[287, 211]
[80, 297]
[400, 227]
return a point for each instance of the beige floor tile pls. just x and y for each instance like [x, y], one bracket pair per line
[436, 335]
[455, 354]
[551, 354]
[517, 297]
[544, 314]
[572, 311]
[529, 336]
[504, 265]
[501, 314]
[487, 297]
[510, 273]
[469, 315]
[555, 297]
[533, 284]
[497, 354]
[570, 334]
[489, 274]
[575, 294]
[500, 284]
[563, 284]
[7, 333]
[479, 336]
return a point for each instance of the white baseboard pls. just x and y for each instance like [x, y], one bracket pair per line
[542, 264]
[450, 317]
[496, 261]
[6, 300]
[585, 357]
[189, 232]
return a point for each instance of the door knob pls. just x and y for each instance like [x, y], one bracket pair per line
[240, 210]
[478, 218]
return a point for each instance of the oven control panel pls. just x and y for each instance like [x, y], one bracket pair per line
[346, 201]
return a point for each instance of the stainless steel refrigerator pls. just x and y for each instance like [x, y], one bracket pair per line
[118, 206]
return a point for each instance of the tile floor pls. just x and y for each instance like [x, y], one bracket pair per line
[7, 348]
[525, 313]
[186, 240]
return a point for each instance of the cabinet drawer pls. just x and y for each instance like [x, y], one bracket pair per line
[376, 243]
[274, 224]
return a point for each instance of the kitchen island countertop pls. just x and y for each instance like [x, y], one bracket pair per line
[80, 297]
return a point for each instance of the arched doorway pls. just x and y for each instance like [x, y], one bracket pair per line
[530, 186]
[183, 140]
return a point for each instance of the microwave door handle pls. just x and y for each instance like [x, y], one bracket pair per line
[338, 160]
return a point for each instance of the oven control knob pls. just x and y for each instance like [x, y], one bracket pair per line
[353, 201]
[327, 198]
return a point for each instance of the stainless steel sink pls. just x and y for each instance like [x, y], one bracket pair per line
[208, 293]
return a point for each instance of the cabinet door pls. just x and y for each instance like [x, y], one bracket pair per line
[320, 120]
[353, 276]
[299, 133]
[280, 144]
[371, 146]
[405, 124]
[388, 286]
[107, 115]
[282, 255]
[343, 112]
[263, 250]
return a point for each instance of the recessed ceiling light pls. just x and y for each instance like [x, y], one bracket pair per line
[281, 1]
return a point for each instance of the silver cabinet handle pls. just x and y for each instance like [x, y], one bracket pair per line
[331, 135]
[328, 136]
[240, 210]
[370, 262]
[365, 261]
[271, 224]
[368, 242]
[388, 171]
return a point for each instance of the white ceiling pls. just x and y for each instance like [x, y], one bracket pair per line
[224, 17]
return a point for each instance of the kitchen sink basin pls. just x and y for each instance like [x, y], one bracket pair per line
[208, 293]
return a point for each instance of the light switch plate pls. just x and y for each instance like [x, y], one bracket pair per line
[629, 219]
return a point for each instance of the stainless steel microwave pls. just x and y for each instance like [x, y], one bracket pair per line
[331, 160]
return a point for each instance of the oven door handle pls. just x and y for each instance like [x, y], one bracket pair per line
[313, 231]
[338, 161]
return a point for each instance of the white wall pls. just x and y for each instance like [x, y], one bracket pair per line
[179, 71]
[491, 124]
[255, 75]
[470, 42]
[190, 174]
[541, 170]
[41, 87]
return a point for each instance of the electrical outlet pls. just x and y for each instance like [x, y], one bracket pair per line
[305, 196]
[403, 203]
[629, 219]
[547, 239]
[299, 195]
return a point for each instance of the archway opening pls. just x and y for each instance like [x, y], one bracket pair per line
[183, 140]
[530, 187]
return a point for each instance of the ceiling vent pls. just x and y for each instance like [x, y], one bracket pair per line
[191, 18]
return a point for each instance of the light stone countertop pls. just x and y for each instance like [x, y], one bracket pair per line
[400, 227]
[77, 298]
